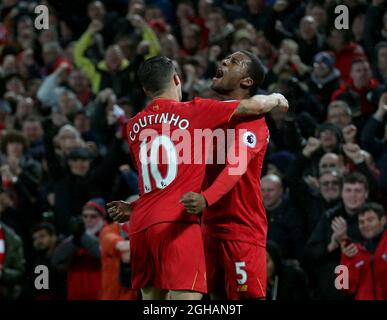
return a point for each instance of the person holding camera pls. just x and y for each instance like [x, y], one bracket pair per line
[79, 254]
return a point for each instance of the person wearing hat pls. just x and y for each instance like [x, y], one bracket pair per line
[79, 254]
[75, 177]
[324, 79]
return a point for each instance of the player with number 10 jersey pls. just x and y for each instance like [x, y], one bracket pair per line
[166, 243]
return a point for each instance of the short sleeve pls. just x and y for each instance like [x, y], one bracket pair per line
[211, 113]
[252, 135]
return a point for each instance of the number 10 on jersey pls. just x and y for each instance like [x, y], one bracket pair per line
[150, 165]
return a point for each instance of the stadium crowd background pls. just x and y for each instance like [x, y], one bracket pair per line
[66, 93]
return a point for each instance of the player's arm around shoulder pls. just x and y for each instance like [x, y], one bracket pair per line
[260, 104]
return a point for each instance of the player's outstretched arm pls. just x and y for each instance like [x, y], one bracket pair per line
[261, 104]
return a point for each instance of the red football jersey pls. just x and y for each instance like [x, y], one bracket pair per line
[240, 213]
[165, 137]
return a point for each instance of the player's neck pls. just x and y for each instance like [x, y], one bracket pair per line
[236, 95]
[172, 95]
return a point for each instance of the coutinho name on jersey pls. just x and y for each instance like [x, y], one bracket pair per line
[191, 146]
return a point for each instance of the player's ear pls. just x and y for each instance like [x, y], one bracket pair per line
[176, 79]
[246, 83]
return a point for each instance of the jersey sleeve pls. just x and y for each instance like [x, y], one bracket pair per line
[250, 139]
[211, 113]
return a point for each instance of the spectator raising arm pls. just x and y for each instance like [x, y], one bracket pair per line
[80, 54]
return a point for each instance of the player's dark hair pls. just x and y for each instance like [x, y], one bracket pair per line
[155, 73]
[372, 206]
[256, 71]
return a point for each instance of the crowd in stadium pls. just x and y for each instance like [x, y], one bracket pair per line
[67, 92]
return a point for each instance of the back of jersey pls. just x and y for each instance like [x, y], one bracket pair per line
[166, 143]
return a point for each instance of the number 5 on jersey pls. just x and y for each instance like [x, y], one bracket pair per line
[153, 161]
[241, 273]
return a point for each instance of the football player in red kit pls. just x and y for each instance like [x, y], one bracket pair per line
[234, 222]
[166, 243]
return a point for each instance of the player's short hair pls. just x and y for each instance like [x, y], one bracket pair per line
[155, 73]
[256, 71]
[356, 177]
[372, 206]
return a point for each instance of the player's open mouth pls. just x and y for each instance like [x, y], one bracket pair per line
[218, 74]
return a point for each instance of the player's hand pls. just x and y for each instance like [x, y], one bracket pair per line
[276, 100]
[193, 202]
[282, 103]
[119, 211]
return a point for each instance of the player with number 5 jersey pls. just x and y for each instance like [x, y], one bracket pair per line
[234, 220]
[166, 244]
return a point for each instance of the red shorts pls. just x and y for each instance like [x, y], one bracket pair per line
[169, 256]
[235, 267]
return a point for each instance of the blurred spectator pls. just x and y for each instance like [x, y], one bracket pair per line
[355, 90]
[20, 173]
[285, 281]
[374, 140]
[366, 260]
[45, 241]
[12, 263]
[380, 67]
[345, 51]
[322, 250]
[33, 131]
[220, 31]
[290, 60]
[324, 79]
[375, 27]
[371, 140]
[190, 40]
[79, 182]
[96, 11]
[79, 255]
[115, 253]
[285, 223]
[309, 39]
[339, 114]
[311, 195]
[114, 71]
